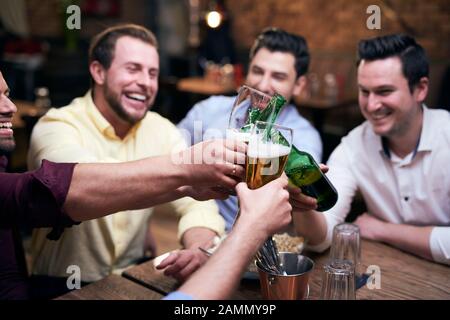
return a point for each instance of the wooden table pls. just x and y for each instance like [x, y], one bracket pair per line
[403, 276]
[112, 287]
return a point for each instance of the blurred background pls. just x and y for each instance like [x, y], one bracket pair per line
[45, 64]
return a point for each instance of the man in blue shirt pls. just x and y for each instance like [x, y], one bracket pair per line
[278, 63]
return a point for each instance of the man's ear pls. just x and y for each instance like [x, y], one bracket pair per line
[421, 90]
[98, 73]
[299, 86]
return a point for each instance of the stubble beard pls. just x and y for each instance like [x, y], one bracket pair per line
[117, 107]
[7, 145]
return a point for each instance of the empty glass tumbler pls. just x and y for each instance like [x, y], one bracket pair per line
[338, 281]
[346, 246]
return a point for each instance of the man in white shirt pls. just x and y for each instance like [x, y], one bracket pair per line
[398, 159]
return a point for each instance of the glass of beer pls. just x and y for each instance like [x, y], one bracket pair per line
[268, 150]
[267, 153]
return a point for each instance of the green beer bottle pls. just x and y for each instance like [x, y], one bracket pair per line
[305, 173]
[268, 114]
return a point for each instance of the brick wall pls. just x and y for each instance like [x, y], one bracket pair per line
[45, 17]
[338, 25]
[334, 25]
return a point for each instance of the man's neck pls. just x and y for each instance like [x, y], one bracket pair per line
[121, 127]
[404, 144]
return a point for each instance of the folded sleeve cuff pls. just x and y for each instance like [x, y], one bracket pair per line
[200, 218]
[56, 178]
[440, 244]
[331, 221]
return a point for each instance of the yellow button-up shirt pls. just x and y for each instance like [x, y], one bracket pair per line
[79, 133]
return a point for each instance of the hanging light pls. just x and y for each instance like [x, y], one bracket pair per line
[214, 17]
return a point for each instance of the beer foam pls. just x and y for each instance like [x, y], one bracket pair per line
[267, 150]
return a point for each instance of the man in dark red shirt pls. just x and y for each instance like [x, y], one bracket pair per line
[60, 195]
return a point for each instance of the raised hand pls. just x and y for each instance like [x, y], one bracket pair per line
[300, 201]
[267, 209]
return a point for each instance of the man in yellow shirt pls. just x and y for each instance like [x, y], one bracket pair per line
[111, 123]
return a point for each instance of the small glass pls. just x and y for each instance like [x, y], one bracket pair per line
[338, 281]
[346, 246]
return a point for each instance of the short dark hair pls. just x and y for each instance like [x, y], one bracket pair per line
[414, 61]
[102, 45]
[274, 39]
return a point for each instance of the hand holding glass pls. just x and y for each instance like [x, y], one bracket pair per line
[268, 150]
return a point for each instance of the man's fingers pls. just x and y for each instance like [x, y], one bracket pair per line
[241, 188]
[306, 203]
[299, 199]
[168, 261]
[230, 151]
[181, 262]
[188, 262]
[283, 181]
[235, 170]
[235, 145]
[234, 157]
[172, 270]
[226, 182]
[187, 271]
[294, 191]
[323, 168]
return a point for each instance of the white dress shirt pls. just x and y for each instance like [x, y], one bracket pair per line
[414, 190]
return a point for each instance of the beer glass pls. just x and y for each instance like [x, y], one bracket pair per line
[268, 149]
[248, 104]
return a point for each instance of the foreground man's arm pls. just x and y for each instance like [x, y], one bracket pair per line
[99, 189]
[261, 216]
[67, 193]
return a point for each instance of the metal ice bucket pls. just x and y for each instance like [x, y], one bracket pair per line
[291, 286]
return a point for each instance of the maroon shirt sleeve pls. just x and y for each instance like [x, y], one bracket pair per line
[35, 199]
